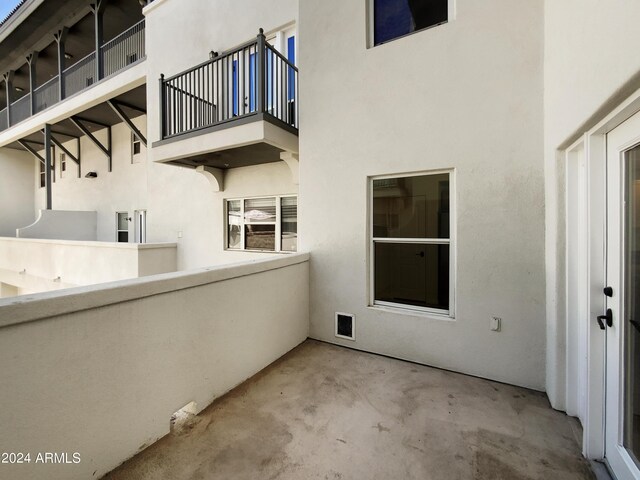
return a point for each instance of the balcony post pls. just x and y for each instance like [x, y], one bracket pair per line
[61, 38]
[260, 67]
[162, 107]
[31, 60]
[98, 15]
[8, 83]
[47, 162]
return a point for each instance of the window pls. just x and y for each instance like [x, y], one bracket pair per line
[267, 224]
[411, 242]
[63, 164]
[43, 178]
[136, 148]
[122, 227]
[396, 18]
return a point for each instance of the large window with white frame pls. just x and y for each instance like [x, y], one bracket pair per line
[411, 242]
[268, 224]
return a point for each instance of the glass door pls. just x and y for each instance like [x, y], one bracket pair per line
[622, 319]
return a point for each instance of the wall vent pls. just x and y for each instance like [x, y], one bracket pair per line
[345, 325]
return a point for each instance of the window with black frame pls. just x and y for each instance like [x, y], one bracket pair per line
[396, 18]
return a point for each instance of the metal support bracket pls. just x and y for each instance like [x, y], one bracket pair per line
[80, 125]
[117, 108]
[30, 149]
[75, 158]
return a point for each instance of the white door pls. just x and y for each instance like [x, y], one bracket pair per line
[622, 324]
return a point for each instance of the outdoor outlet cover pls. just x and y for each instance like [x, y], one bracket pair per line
[496, 324]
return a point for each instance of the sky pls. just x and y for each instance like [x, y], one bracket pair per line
[6, 6]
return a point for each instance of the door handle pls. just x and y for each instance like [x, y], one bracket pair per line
[421, 254]
[608, 291]
[608, 318]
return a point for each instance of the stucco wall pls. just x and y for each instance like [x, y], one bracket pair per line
[16, 190]
[467, 95]
[590, 67]
[100, 370]
[82, 263]
[180, 203]
[61, 225]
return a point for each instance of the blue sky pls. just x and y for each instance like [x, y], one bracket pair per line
[6, 6]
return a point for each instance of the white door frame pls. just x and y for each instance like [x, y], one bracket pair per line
[594, 145]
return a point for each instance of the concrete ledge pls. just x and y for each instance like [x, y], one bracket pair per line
[30, 308]
[91, 243]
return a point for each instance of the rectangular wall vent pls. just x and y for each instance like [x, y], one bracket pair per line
[346, 325]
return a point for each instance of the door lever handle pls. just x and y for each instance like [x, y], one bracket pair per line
[608, 318]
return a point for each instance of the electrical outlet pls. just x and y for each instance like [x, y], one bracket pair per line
[495, 324]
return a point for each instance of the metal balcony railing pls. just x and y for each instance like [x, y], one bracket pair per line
[80, 75]
[253, 78]
[123, 50]
[21, 108]
[46, 94]
[115, 55]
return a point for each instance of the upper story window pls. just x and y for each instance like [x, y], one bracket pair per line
[266, 224]
[43, 178]
[136, 149]
[411, 243]
[396, 18]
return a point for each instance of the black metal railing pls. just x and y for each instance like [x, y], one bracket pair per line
[46, 94]
[123, 50]
[21, 108]
[3, 119]
[116, 54]
[251, 79]
[80, 75]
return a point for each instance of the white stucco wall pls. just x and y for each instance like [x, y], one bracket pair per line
[16, 190]
[79, 262]
[467, 96]
[590, 67]
[180, 203]
[61, 225]
[100, 370]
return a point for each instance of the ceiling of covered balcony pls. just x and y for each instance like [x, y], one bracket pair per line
[96, 118]
[20, 35]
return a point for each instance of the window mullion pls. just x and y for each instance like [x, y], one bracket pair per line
[278, 243]
[242, 229]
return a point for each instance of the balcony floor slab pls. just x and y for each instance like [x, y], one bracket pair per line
[328, 412]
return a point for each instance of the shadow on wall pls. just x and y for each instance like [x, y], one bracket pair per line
[62, 225]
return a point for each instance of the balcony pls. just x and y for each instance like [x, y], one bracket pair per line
[113, 56]
[252, 86]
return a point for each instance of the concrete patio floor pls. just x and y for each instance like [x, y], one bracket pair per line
[326, 412]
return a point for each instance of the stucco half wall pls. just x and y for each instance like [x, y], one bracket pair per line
[99, 370]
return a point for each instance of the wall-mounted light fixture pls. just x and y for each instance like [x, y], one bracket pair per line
[91, 175]
[68, 56]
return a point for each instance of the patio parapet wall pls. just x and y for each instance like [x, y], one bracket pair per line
[84, 262]
[99, 370]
